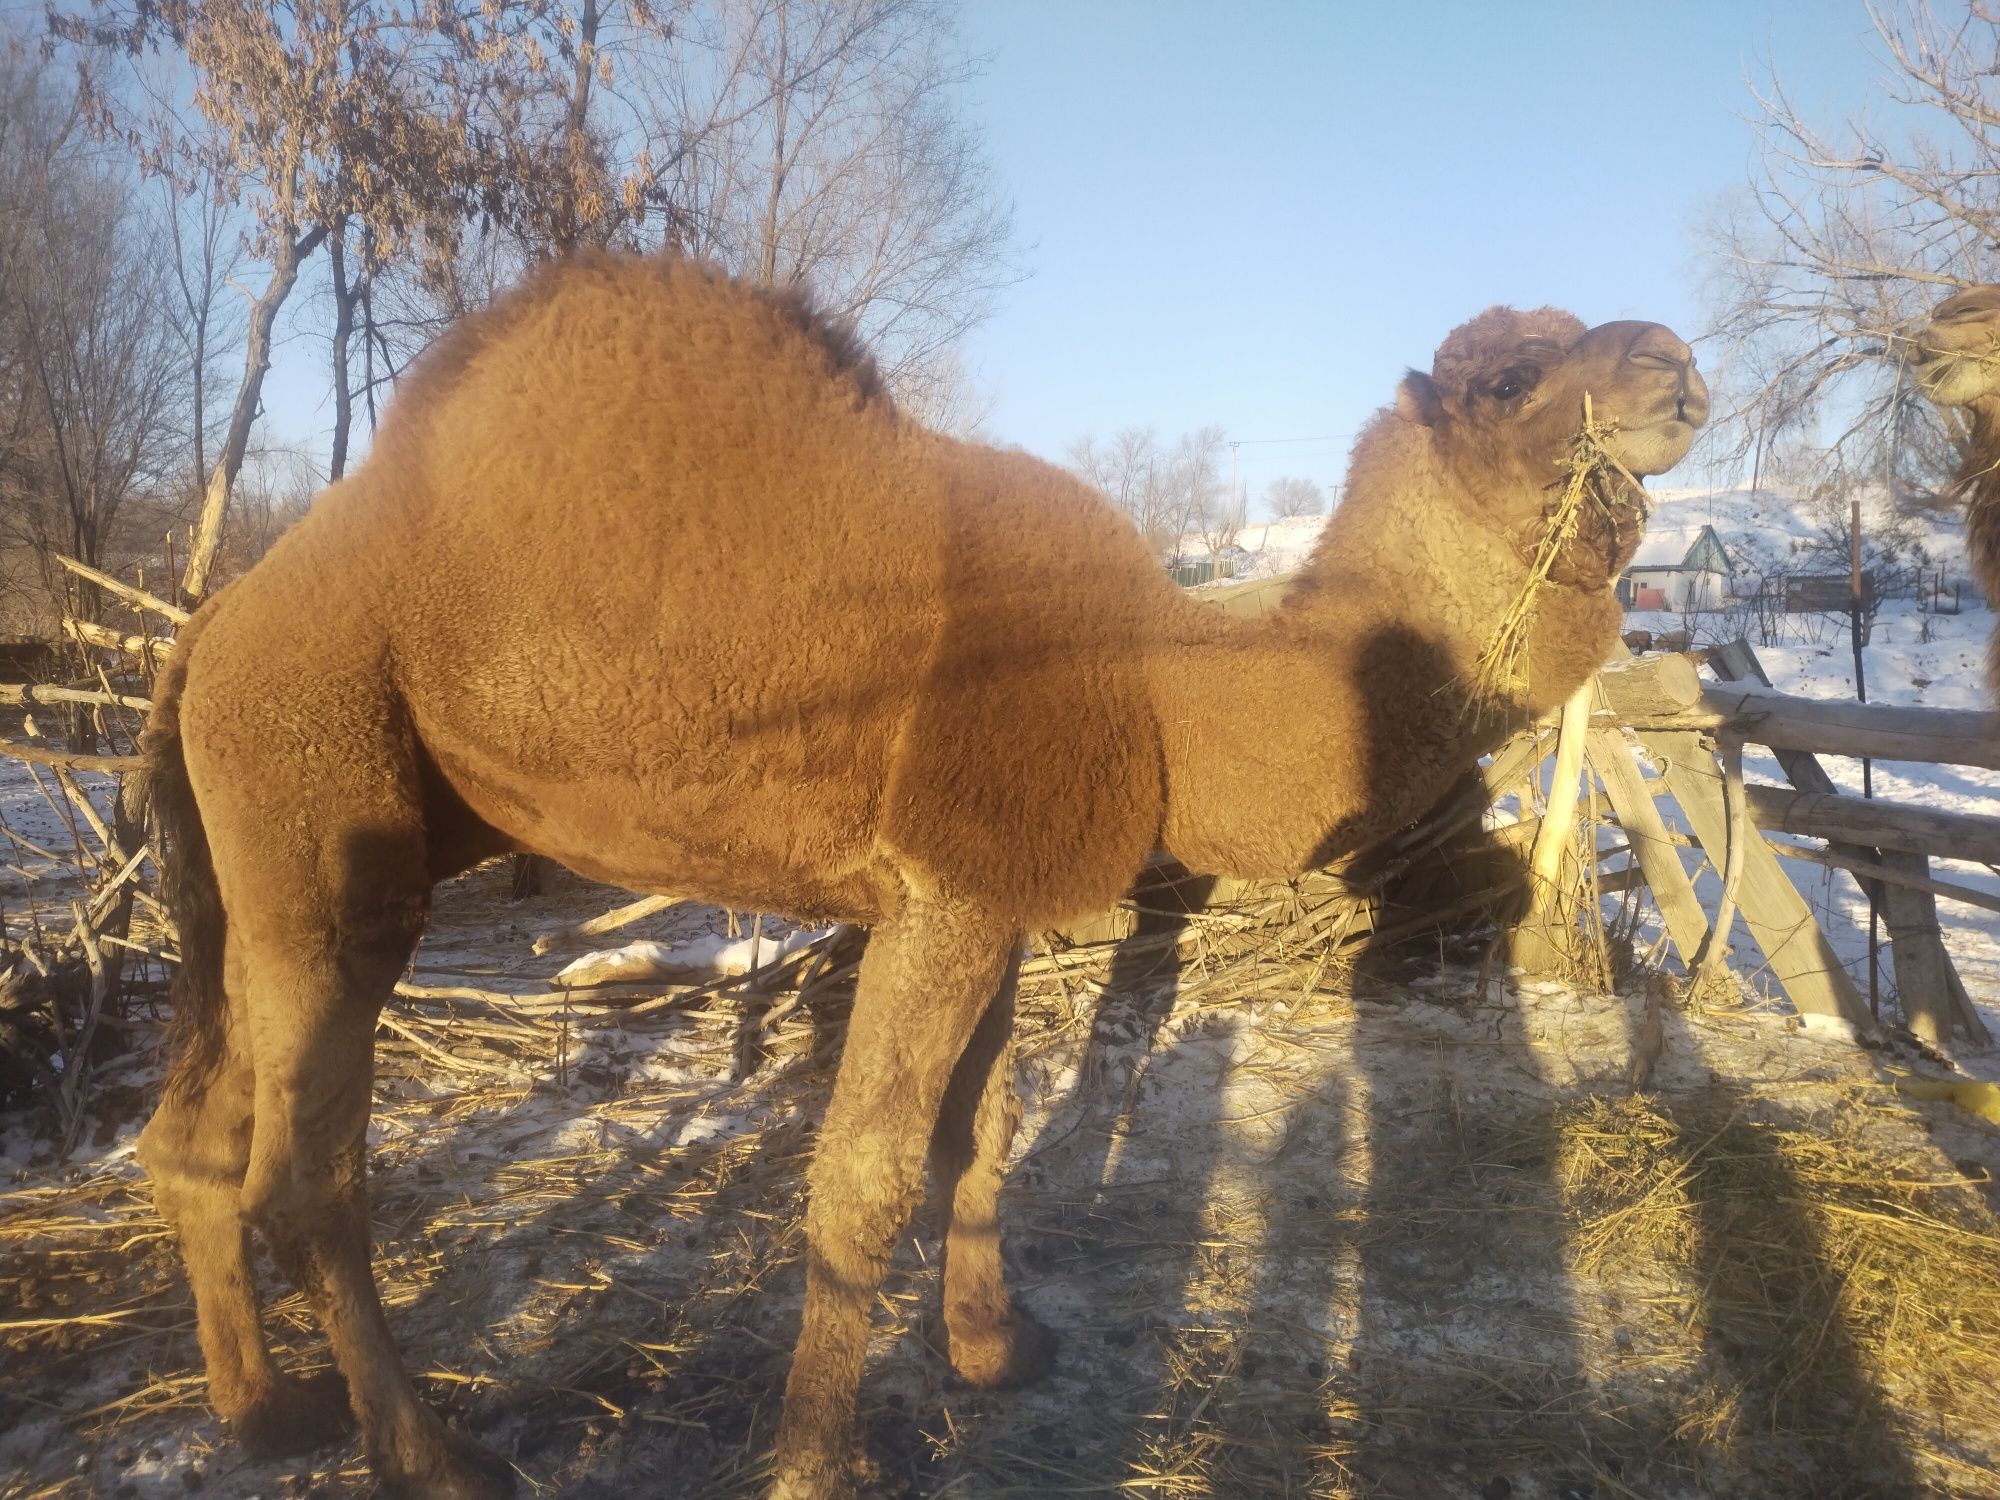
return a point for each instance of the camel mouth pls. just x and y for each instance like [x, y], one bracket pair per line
[1951, 377]
[1655, 447]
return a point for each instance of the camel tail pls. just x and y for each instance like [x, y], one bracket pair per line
[187, 881]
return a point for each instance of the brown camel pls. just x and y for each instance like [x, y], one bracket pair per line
[648, 574]
[1956, 358]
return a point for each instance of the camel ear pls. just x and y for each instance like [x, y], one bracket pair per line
[1417, 400]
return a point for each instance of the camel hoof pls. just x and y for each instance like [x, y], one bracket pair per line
[848, 1475]
[1016, 1352]
[456, 1468]
[298, 1416]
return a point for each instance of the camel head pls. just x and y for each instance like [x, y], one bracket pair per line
[1504, 399]
[1956, 355]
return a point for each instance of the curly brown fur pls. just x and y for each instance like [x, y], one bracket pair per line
[944, 691]
[1978, 488]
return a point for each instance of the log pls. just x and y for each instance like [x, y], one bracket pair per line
[23, 694]
[130, 593]
[1875, 824]
[1874, 870]
[85, 633]
[36, 755]
[1537, 946]
[619, 916]
[1936, 736]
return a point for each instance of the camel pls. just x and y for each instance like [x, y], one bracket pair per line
[1956, 359]
[648, 573]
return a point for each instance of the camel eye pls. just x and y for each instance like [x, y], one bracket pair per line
[1513, 383]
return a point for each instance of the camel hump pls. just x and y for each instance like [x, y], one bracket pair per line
[609, 328]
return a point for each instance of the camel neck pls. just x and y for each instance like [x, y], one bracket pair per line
[1979, 484]
[1317, 730]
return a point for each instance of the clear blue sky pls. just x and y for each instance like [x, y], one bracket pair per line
[1258, 214]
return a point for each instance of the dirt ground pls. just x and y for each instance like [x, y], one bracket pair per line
[1388, 1236]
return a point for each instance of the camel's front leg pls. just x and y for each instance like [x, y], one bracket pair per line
[929, 974]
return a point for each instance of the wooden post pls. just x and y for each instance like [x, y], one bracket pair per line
[1933, 1005]
[1544, 943]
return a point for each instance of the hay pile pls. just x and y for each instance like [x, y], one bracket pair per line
[1843, 1290]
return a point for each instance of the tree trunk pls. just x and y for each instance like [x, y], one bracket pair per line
[530, 877]
[256, 363]
[343, 329]
[569, 225]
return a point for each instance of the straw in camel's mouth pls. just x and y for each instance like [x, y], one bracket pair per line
[1954, 377]
[1596, 477]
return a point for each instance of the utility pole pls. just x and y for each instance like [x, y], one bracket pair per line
[1854, 607]
[1233, 446]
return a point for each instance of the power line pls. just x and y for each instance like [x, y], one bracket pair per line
[1324, 437]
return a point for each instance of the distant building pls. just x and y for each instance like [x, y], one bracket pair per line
[1677, 568]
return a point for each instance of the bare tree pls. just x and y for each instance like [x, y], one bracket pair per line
[835, 155]
[1285, 498]
[1849, 232]
[201, 227]
[813, 143]
[1132, 473]
[1202, 503]
[94, 383]
[1171, 494]
[310, 118]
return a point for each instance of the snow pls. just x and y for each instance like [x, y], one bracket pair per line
[710, 956]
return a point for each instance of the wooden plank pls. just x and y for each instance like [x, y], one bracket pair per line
[1653, 847]
[1875, 824]
[1783, 722]
[1776, 914]
[1736, 661]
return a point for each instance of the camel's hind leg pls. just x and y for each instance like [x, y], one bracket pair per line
[992, 1342]
[318, 973]
[195, 1149]
[929, 974]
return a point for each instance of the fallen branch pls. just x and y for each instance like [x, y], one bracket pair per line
[23, 694]
[131, 593]
[35, 755]
[88, 633]
[610, 921]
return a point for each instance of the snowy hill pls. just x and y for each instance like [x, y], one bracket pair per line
[1770, 528]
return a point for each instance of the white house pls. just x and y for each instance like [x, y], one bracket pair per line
[1677, 568]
